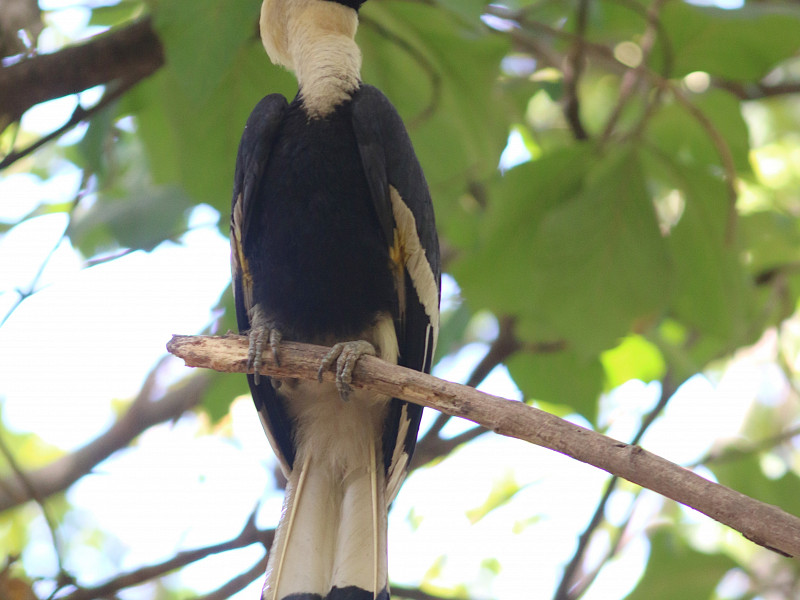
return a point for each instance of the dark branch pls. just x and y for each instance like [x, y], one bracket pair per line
[239, 582]
[573, 69]
[130, 54]
[249, 535]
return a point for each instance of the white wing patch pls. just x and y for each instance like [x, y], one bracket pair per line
[416, 261]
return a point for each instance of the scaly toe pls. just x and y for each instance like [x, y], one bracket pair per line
[254, 353]
[345, 355]
[275, 338]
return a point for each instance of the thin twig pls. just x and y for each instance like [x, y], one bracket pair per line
[144, 412]
[432, 445]
[573, 68]
[33, 493]
[566, 590]
[79, 115]
[249, 535]
[239, 582]
[427, 67]
[631, 79]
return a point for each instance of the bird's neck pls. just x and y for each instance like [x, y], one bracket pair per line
[328, 69]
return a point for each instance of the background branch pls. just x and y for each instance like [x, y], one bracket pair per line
[249, 535]
[130, 53]
[764, 524]
[144, 412]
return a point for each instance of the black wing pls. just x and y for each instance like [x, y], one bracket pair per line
[403, 205]
[251, 161]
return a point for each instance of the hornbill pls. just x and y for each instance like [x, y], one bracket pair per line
[333, 242]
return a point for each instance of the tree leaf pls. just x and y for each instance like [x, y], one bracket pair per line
[634, 358]
[675, 570]
[501, 493]
[599, 261]
[495, 272]
[202, 39]
[711, 291]
[740, 44]
[559, 378]
[441, 78]
[677, 133]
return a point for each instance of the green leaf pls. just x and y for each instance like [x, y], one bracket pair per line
[496, 273]
[469, 10]
[675, 570]
[441, 78]
[677, 133]
[772, 239]
[196, 145]
[742, 44]
[634, 358]
[492, 565]
[451, 332]
[202, 39]
[116, 14]
[559, 378]
[93, 147]
[711, 291]
[501, 493]
[599, 261]
[222, 390]
[142, 219]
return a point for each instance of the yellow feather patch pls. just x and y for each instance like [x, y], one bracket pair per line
[241, 268]
[397, 257]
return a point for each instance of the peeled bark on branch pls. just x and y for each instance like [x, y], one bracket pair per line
[762, 523]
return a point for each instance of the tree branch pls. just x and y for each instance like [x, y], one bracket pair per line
[764, 524]
[130, 53]
[63, 472]
[249, 535]
[239, 582]
[567, 589]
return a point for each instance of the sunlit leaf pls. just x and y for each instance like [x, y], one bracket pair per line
[501, 493]
[634, 358]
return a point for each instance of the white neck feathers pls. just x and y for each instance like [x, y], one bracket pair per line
[314, 38]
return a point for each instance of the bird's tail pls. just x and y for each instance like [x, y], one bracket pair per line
[330, 543]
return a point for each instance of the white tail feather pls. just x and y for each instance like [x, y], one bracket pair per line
[290, 520]
[375, 522]
[333, 529]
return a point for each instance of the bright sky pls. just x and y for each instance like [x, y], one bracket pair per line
[90, 336]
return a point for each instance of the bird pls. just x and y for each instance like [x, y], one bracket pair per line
[333, 242]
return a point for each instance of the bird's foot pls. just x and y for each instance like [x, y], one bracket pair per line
[345, 355]
[261, 333]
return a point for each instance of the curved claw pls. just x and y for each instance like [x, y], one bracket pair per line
[260, 334]
[345, 355]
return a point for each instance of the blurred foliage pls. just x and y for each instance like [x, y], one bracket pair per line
[650, 231]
